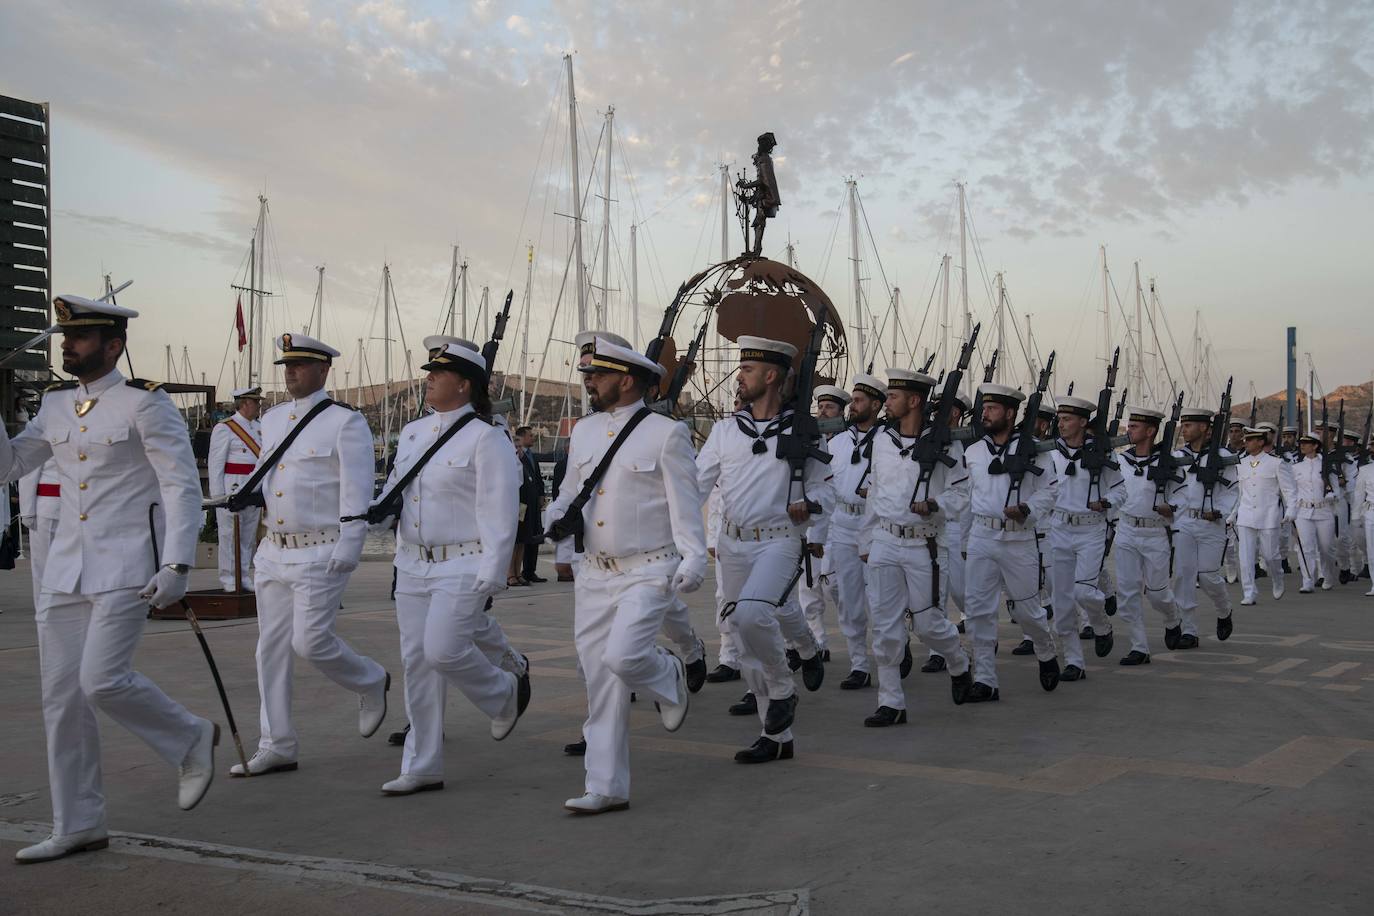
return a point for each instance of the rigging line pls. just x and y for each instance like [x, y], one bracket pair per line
[830, 245]
[873, 245]
[1173, 345]
[549, 118]
[1126, 323]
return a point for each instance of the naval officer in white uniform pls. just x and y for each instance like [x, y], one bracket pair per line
[120, 446]
[1268, 499]
[304, 561]
[235, 444]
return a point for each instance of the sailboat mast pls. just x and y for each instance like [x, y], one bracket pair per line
[316, 323]
[449, 321]
[258, 281]
[963, 264]
[525, 336]
[724, 212]
[577, 212]
[386, 357]
[252, 308]
[896, 313]
[853, 187]
[603, 313]
[1139, 331]
[1001, 328]
[634, 279]
[1107, 316]
[463, 282]
[942, 345]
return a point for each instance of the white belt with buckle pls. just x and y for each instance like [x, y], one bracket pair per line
[1001, 524]
[1198, 513]
[633, 561]
[440, 552]
[1136, 521]
[850, 508]
[909, 532]
[1317, 503]
[298, 540]
[1079, 518]
[742, 533]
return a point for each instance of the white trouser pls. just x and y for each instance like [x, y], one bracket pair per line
[616, 619]
[677, 626]
[86, 647]
[40, 539]
[1264, 544]
[1075, 564]
[1198, 546]
[1318, 556]
[447, 638]
[1368, 535]
[812, 598]
[1344, 547]
[297, 604]
[996, 565]
[851, 599]
[248, 544]
[1106, 579]
[951, 573]
[1142, 569]
[729, 646]
[900, 577]
[1231, 557]
[564, 551]
[761, 613]
[1359, 544]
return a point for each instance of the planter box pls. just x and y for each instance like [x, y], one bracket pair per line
[207, 555]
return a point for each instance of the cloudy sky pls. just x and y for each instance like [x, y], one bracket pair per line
[1226, 146]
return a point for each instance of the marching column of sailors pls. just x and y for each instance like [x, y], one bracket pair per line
[858, 524]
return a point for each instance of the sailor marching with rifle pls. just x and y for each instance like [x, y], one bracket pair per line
[1317, 485]
[120, 448]
[954, 542]
[455, 487]
[1267, 500]
[630, 501]
[918, 475]
[771, 464]
[851, 467]
[1012, 485]
[1142, 546]
[1089, 485]
[1202, 502]
[235, 444]
[316, 469]
[1362, 497]
[831, 401]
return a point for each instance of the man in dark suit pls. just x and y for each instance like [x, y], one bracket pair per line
[531, 533]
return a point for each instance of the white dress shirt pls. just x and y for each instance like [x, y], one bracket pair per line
[1189, 494]
[990, 491]
[892, 481]
[227, 450]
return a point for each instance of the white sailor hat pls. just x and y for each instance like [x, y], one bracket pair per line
[1254, 432]
[1332, 426]
[832, 393]
[300, 347]
[1046, 409]
[586, 339]
[1290, 429]
[1197, 413]
[247, 394]
[1005, 395]
[1306, 437]
[870, 385]
[1350, 434]
[1235, 421]
[764, 350]
[435, 343]
[909, 380]
[458, 358]
[80, 312]
[1145, 415]
[1078, 406]
[1268, 427]
[612, 357]
[961, 400]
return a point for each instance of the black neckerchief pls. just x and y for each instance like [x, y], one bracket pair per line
[776, 425]
[1071, 453]
[1139, 463]
[863, 443]
[898, 439]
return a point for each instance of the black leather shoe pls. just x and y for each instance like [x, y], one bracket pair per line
[1321, 580]
[1171, 637]
[747, 706]
[1345, 578]
[960, 625]
[1049, 674]
[765, 750]
[535, 579]
[1025, 648]
[1103, 642]
[576, 749]
[1286, 567]
[1109, 606]
[825, 655]
[723, 673]
[1073, 673]
[793, 659]
[813, 673]
[1187, 641]
[886, 716]
[1364, 573]
[959, 687]
[1224, 627]
[696, 675]
[981, 693]
[933, 664]
[907, 661]
[1049, 612]
[857, 680]
[780, 715]
[1086, 633]
[398, 739]
[1135, 658]
[1260, 573]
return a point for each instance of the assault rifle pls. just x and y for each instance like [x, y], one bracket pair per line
[932, 448]
[1096, 454]
[1338, 454]
[1021, 461]
[1363, 458]
[1115, 426]
[976, 414]
[1209, 472]
[801, 442]
[1279, 448]
[1165, 469]
[498, 333]
[685, 367]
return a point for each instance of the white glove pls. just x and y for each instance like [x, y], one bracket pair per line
[488, 587]
[381, 528]
[165, 588]
[686, 581]
[340, 567]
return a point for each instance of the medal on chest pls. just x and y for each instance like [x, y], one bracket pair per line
[84, 407]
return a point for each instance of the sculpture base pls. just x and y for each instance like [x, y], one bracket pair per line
[212, 604]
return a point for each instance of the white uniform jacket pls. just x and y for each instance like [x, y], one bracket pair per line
[891, 483]
[40, 495]
[1362, 497]
[1076, 489]
[1263, 480]
[326, 474]
[231, 461]
[1186, 497]
[648, 498]
[989, 492]
[1316, 496]
[130, 450]
[754, 487]
[469, 491]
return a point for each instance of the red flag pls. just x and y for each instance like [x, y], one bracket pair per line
[238, 323]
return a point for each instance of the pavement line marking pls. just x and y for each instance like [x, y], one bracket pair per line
[1336, 670]
[427, 882]
[1279, 667]
[1346, 688]
[1287, 683]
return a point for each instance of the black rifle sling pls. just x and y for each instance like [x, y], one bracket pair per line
[588, 485]
[265, 464]
[397, 491]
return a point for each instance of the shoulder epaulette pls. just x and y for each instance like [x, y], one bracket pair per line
[60, 386]
[143, 384]
[345, 406]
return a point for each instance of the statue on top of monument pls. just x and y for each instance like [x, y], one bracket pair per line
[761, 194]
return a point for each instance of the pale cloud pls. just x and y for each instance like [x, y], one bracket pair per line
[519, 25]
